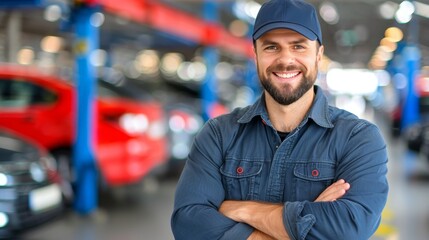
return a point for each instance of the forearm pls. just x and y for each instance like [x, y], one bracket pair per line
[200, 222]
[265, 217]
[258, 235]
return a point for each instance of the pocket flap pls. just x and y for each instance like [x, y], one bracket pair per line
[315, 171]
[241, 168]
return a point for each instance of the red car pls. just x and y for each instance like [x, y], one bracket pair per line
[130, 137]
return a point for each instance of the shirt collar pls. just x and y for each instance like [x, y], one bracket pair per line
[319, 111]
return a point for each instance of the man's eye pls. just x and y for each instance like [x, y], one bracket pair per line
[271, 48]
[297, 47]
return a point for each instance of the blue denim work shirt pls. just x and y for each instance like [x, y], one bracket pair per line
[240, 156]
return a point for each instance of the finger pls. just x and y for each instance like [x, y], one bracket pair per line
[338, 191]
[338, 182]
[330, 196]
[334, 191]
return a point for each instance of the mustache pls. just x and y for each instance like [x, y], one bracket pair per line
[283, 68]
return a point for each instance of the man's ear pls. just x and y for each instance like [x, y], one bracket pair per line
[320, 53]
[254, 53]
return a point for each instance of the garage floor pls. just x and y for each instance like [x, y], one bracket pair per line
[140, 212]
[143, 212]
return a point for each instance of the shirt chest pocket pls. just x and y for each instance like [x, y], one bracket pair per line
[311, 179]
[241, 178]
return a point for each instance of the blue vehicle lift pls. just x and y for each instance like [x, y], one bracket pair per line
[211, 57]
[87, 40]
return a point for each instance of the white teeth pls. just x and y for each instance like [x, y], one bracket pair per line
[287, 75]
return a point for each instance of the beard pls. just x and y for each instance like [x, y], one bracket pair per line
[285, 94]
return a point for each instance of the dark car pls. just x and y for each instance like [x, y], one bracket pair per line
[413, 136]
[30, 190]
[184, 122]
[417, 138]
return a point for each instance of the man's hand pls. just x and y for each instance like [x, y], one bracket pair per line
[334, 191]
[265, 217]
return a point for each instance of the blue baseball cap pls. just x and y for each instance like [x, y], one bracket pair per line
[296, 15]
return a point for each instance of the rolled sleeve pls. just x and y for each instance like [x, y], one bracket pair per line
[200, 222]
[296, 225]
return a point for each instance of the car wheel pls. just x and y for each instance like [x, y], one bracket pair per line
[65, 170]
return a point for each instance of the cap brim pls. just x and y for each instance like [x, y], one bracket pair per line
[295, 27]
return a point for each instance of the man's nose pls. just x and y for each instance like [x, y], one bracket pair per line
[286, 57]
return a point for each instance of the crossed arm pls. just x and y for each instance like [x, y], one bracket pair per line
[267, 218]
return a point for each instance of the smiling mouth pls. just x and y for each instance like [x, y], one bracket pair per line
[286, 75]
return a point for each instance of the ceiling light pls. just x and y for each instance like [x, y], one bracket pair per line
[170, 62]
[51, 44]
[4, 219]
[329, 13]
[405, 12]
[97, 19]
[387, 9]
[389, 45]
[148, 62]
[52, 13]
[3, 179]
[246, 10]
[394, 34]
[25, 56]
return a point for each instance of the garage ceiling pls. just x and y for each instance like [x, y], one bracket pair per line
[363, 17]
[351, 41]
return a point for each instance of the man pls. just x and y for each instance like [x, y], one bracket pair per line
[289, 166]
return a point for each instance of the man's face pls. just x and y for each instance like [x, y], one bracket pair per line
[287, 64]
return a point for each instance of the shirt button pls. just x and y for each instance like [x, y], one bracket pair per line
[240, 170]
[315, 173]
[277, 146]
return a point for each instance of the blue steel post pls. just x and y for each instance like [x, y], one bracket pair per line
[411, 55]
[87, 40]
[211, 56]
[411, 114]
[252, 78]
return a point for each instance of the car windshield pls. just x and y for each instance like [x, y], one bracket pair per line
[13, 149]
[20, 93]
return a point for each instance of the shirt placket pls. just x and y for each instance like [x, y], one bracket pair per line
[277, 173]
